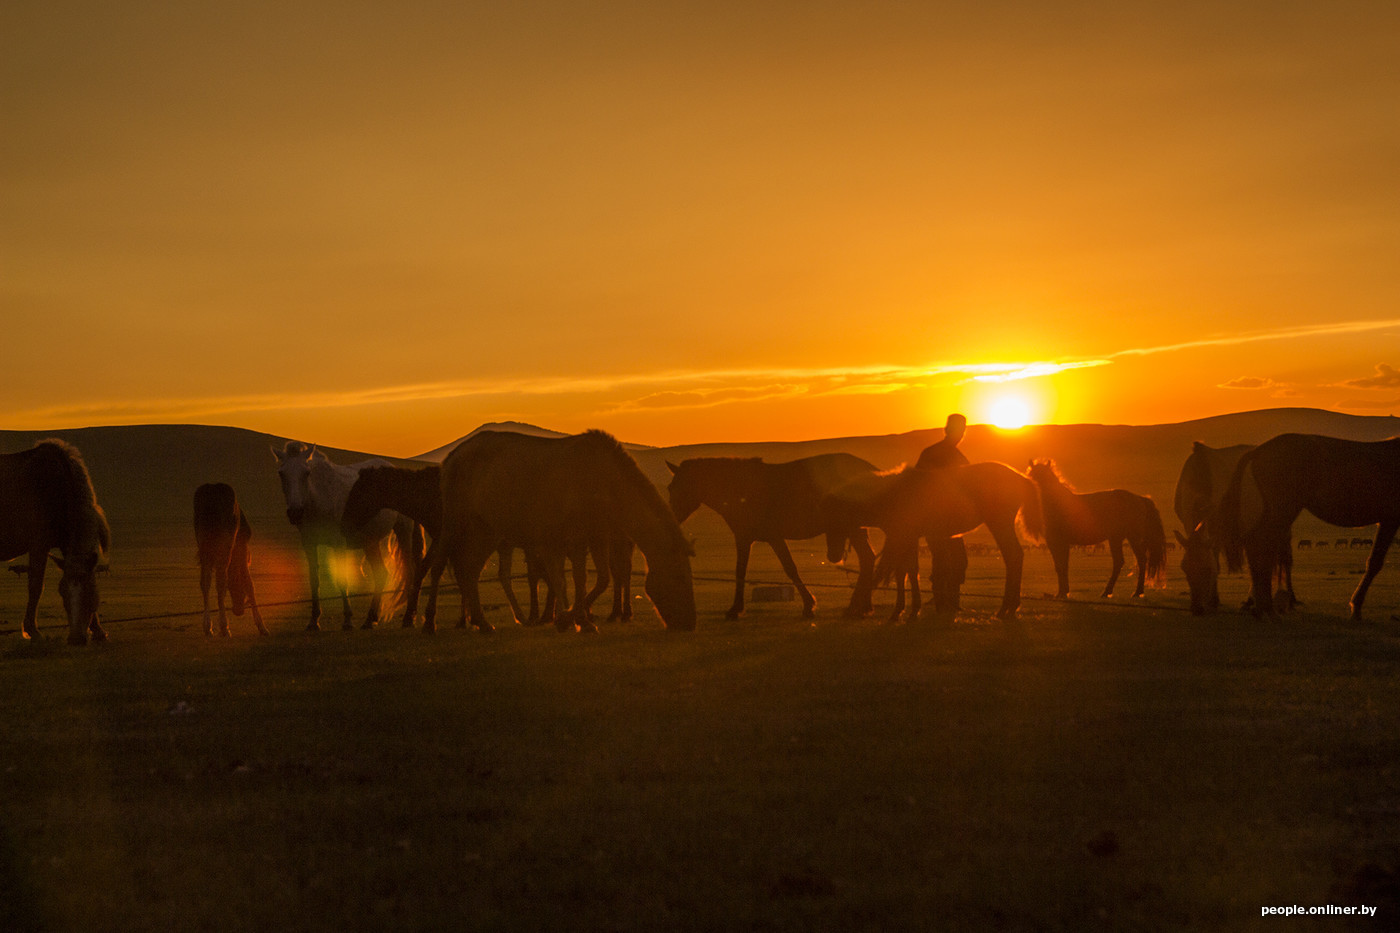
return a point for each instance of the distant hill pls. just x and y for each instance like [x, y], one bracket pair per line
[145, 475]
[440, 454]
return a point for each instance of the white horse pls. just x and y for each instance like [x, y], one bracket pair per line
[315, 490]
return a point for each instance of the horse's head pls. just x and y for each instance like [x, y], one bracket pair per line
[1198, 564]
[668, 582]
[294, 470]
[1043, 472]
[78, 588]
[684, 492]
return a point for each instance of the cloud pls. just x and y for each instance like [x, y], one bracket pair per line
[1386, 377]
[1286, 333]
[1248, 382]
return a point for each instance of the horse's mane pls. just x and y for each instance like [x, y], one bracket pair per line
[632, 476]
[1054, 471]
[81, 498]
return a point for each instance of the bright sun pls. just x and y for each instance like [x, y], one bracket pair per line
[1010, 412]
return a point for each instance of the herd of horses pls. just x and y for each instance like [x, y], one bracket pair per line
[568, 500]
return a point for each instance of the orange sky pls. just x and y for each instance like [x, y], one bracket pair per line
[379, 225]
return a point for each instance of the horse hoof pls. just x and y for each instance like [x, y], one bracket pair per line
[733, 614]
[588, 629]
[313, 626]
[485, 628]
[98, 636]
[367, 626]
[429, 628]
[77, 639]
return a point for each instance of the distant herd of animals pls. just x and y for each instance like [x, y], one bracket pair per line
[563, 501]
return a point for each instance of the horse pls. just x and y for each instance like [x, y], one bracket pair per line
[1199, 489]
[937, 505]
[547, 495]
[1344, 483]
[315, 490]
[418, 494]
[773, 503]
[221, 533]
[47, 501]
[1112, 515]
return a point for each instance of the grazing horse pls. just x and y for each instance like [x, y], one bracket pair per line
[221, 534]
[1344, 483]
[418, 494]
[315, 490]
[548, 495]
[773, 503]
[1112, 515]
[1199, 489]
[910, 503]
[47, 501]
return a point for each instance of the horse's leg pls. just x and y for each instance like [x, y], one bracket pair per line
[809, 602]
[601, 562]
[1139, 546]
[313, 569]
[206, 577]
[946, 573]
[1115, 548]
[532, 580]
[620, 557]
[442, 548]
[1262, 554]
[1385, 533]
[505, 562]
[862, 603]
[741, 569]
[253, 601]
[414, 584]
[1285, 596]
[38, 561]
[221, 591]
[467, 564]
[577, 613]
[900, 573]
[1059, 553]
[1014, 557]
[378, 579]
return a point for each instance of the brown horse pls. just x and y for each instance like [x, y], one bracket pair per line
[773, 503]
[418, 494]
[46, 502]
[910, 503]
[1112, 515]
[1344, 483]
[547, 495]
[221, 534]
[1204, 478]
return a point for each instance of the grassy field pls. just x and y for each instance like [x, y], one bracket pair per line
[1094, 765]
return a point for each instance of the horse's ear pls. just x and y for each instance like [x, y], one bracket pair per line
[672, 467]
[58, 561]
[277, 454]
[1180, 538]
[311, 453]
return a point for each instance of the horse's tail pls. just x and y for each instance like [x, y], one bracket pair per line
[1156, 570]
[1228, 527]
[1032, 514]
[405, 551]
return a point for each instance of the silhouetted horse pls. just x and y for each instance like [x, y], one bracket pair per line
[315, 490]
[910, 503]
[221, 534]
[1345, 483]
[1199, 489]
[46, 502]
[547, 495]
[1112, 515]
[773, 503]
[418, 494]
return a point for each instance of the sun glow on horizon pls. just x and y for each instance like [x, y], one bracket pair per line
[1009, 412]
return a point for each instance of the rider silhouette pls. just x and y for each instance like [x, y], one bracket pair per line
[949, 568]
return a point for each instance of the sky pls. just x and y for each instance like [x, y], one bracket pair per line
[379, 225]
